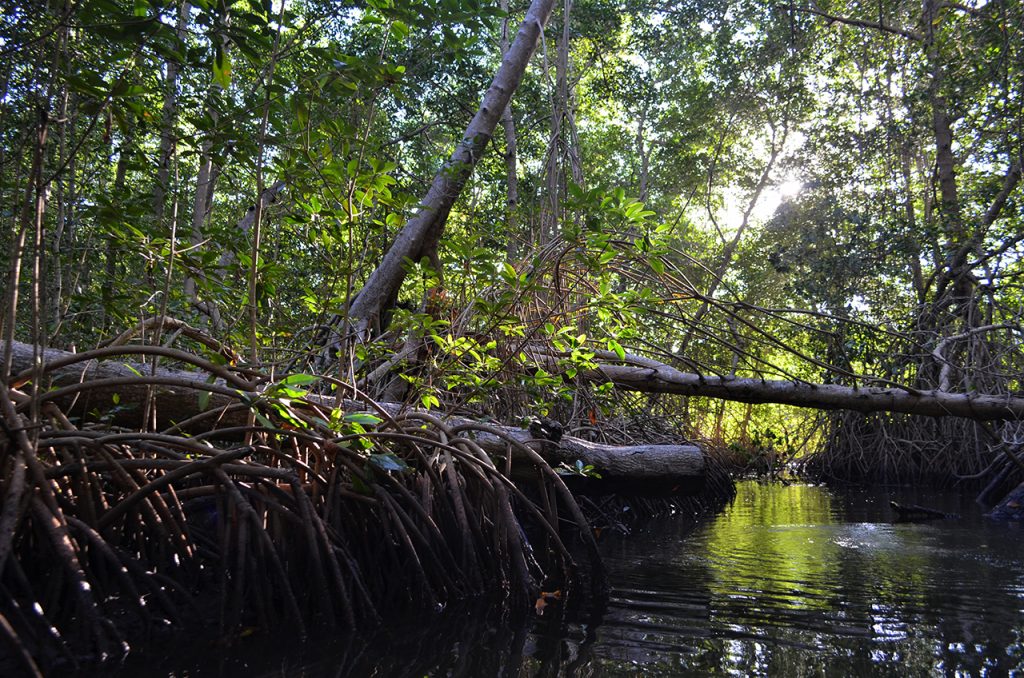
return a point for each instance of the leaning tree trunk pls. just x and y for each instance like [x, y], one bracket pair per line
[422, 232]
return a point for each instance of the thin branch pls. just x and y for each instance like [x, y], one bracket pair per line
[861, 23]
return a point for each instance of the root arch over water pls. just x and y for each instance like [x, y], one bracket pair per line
[304, 516]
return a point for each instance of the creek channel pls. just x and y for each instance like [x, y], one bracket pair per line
[787, 580]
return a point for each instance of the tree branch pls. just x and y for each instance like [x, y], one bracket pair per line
[860, 23]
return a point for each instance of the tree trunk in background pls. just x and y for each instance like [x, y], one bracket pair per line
[168, 119]
[508, 123]
[113, 248]
[949, 214]
[551, 215]
[956, 309]
[201, 205]
[65, 199]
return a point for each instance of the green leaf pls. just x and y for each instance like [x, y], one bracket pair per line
[388, 462]
[299, 379]
[399, 30]
[362, 418]
[221, 67]
[266, 423]
[362, 488]
[617, 347]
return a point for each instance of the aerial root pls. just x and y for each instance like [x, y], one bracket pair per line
[104, 532]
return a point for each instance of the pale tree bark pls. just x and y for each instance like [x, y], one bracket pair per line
[508, 124]
[202, 206]
[423, 231]
[645, 375]
[551, 217]
[816, 396]
[168, 119]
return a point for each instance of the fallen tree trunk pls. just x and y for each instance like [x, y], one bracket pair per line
[116, 392]
[645, 375]
[649, 376]
[665, 379]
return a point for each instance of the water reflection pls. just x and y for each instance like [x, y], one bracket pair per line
[797, 580]
[787, 581]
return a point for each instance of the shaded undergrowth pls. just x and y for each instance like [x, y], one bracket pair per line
[905, 449]
[306, 515]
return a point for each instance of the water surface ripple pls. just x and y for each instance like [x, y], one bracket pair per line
[788, 580]
[800, 580]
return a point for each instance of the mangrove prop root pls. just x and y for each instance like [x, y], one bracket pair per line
[106, 531]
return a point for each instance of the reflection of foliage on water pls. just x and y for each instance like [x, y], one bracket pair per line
[878, 599]
[772, 547]
[797, 588]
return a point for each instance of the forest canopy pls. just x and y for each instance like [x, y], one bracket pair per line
[822, 192]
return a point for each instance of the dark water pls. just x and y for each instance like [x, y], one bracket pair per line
[797, 580]
[791, 580]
